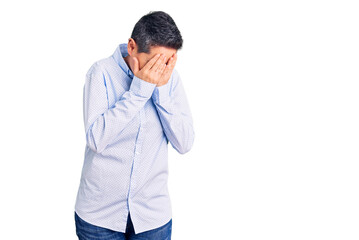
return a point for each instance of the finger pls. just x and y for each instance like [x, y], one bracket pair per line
[165, 71]
[172, 61]
[162, 67]
[168, 69]
[159, 62]
[174, 57]
[170, 65]
[151, 62]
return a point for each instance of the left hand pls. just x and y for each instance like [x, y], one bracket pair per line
[167, 72]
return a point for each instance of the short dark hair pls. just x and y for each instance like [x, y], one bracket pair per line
[156, 28]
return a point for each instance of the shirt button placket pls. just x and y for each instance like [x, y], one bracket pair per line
[138, 148]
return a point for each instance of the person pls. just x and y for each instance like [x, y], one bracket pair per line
[134, 104]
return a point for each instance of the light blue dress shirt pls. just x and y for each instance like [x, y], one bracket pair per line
[128, 124]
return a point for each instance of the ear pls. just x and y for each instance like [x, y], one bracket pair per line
[131, 47]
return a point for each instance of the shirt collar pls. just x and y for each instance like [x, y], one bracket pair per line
[118, 55]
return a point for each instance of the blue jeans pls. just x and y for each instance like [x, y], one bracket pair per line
[87, 231]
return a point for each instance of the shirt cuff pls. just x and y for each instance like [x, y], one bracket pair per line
[141, 87]
[162, 93]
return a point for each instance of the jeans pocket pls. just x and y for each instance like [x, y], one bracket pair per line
[162, 233]
[89, 231]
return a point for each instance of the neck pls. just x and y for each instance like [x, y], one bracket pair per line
[128, 62]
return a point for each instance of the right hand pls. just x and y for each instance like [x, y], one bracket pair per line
[153, 69]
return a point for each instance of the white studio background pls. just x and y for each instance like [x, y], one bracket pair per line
[273, 87]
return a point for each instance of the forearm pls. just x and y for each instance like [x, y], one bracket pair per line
[175, 114]
[177, 126]
[103, 129]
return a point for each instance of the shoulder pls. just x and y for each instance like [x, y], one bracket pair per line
[98, 67]
[175, 73]
[176, 78]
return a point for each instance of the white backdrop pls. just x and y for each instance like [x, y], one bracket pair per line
[273, 87]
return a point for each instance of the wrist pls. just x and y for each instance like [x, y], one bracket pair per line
[161, 84]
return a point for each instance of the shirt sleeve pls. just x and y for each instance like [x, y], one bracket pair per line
[102, 123]
[175, 114]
